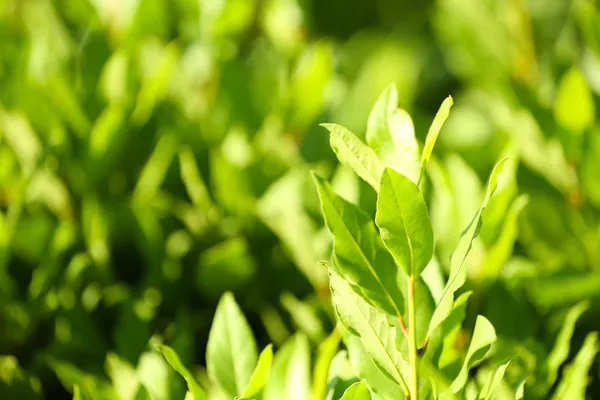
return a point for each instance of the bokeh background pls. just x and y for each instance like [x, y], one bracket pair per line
[156, 153]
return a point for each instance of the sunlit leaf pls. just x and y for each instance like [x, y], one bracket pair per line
[173, 359]
[575, 380]
[231, 352]
[290, 376]
[358, 391]
[458, 272]
[377, 335]
[359, 254]
[403, 222]
[434, 131]
[352, 151]
[260, 375]
[483, 337]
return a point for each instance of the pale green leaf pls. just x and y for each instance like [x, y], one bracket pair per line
[261, 373]
[574, 106]
[231, 352]
[326, 353]
[377, 335]
[123, 376]
[458, 273]
[492, 384]
[173, 360]
[358, 391]
[520, 392]
[434, 131]
[194, 184]
[575, 379]
[290, 376]
[404, 223]
[352, 151]
[365, 369]
[391, 134]
[483, 337]
[561, 348]
[359, 254]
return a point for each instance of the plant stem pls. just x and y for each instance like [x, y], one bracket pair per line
[413, 350]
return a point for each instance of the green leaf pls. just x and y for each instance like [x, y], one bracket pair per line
[290, 376]
[574, 105]
[376, 334]
[231, 352]
[304, 316]
[520, 390]
[404, 223]
[365, 368]
[192, 180]
[173, 360]
[358, 391]
[450, 329]
[561, 348]
[575, 379]
[352, 151]
[325, 355]
[261, 373]
[458, 273]
[123, 376]
[434, 132]
[359, 254]
[484, 336]
[492, 384]
[499, 253]
[77, 393]
[391, 134]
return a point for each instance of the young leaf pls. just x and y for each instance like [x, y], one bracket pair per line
[484, 336]
[560, 352]
[434, 131]
[404, 222]
[358, 391]
[458, 273]
[391, 134]
[575, 380]
[290, 377]
[326, 353]
[488, 389]
[231, 350]
[378, 133]
[352, 151]
[365, 368]
[371, 325]
[261, 373]
[359, 254]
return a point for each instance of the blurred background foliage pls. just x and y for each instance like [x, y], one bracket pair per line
[155, 153]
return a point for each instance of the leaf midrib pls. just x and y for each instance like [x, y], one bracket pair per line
[389, 356]
[408, 238]
[366, 260]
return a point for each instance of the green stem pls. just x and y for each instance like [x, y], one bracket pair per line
[413, 349]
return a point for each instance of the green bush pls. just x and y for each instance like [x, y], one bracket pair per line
[157, 154]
